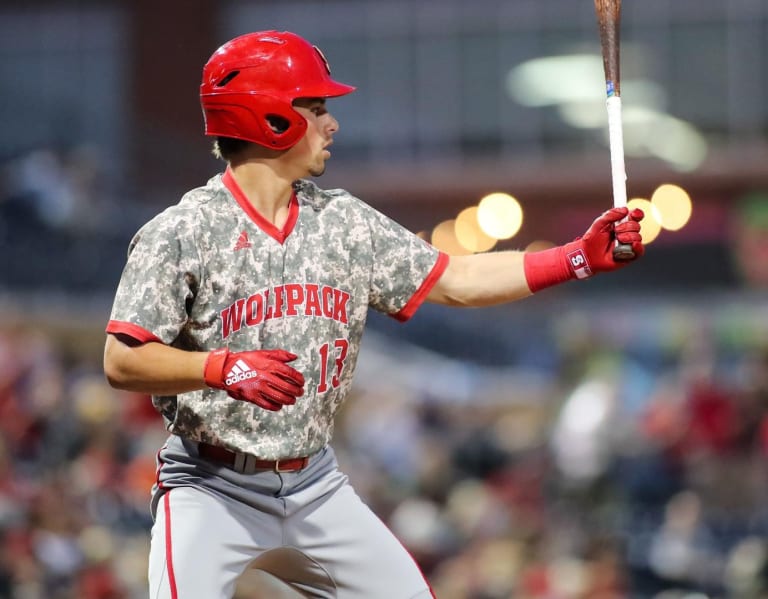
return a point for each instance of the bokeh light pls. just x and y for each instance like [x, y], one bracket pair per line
[469, 234]
[500, 215]
[649, 226]
[673, 205]
[444, 239]
[579, 99]
[539, 245]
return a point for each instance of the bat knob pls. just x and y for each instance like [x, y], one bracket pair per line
[622, 252]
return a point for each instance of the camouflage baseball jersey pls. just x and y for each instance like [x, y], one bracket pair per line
[210, 271]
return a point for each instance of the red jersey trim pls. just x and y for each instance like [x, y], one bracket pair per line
[421, 294]
[280, 235]
[117, 327]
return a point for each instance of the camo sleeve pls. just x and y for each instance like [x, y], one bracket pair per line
[159, 281]
[404, 269]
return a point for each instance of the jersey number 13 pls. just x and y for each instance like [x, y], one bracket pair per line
[339, 355]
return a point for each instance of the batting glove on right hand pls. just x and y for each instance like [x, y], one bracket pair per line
[261, 377]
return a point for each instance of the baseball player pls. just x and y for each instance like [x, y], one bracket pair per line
[241, 310]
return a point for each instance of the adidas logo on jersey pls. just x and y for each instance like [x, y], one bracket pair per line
[240, 372]
[242, 242]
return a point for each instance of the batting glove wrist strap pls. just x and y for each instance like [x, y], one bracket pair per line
[554, 266]
[213, 372]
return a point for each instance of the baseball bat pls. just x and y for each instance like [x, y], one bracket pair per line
[609, 25]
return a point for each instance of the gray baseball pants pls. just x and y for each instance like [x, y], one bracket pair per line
[307, 528]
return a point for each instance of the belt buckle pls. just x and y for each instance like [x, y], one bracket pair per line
[304, 462]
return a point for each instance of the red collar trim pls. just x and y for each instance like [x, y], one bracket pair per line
[278, 234]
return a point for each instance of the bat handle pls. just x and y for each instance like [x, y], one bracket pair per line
[621, 251]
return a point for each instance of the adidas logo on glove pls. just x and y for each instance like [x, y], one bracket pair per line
[240, 372]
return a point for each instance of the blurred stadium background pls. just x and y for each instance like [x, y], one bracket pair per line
[605, 440]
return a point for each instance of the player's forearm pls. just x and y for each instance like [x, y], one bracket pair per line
[153, 368]
[497, 277]
[482, 280]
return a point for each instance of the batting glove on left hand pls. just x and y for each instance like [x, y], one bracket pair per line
[598, 242]
[587, 255]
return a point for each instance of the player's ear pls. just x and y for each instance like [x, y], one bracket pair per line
[277, 123]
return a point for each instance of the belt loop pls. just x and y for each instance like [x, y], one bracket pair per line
[239, 463]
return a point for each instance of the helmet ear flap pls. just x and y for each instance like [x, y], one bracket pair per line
[268, 121]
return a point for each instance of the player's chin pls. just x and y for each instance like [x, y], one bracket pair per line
[317, 170]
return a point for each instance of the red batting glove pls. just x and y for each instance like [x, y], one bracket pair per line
[587, 255]
[261, 377]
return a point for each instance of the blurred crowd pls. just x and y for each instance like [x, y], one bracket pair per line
[645, 476]
[74, 474]
[635, 478]
[58, 210]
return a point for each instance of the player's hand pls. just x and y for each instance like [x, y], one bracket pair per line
[593, 252]
[589, 254]
[262, 377]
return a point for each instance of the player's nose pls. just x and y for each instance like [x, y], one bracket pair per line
[332, 125]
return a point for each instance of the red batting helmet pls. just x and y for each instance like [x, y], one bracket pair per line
[249, 85]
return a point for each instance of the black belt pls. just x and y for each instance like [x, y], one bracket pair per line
[245, 463]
